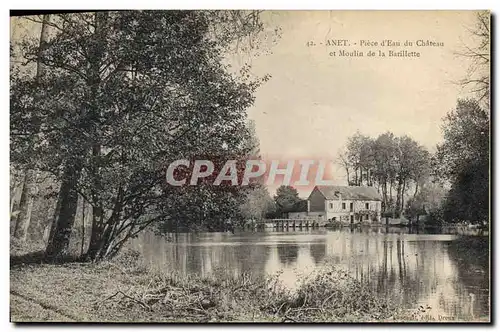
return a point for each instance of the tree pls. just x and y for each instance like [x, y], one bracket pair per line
[257, 204]
[467, 199]
[202, 208]
[128, 92]
[428, 201]
[478, 53]
[205, 207]
[286, 199]
[384, 150]
[28, 183]
[387, 162]
[412, 162]
[343, 160]
[466, 131]
[463, 159]
[360, 158]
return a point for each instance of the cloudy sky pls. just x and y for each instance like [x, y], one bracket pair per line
[314, 102]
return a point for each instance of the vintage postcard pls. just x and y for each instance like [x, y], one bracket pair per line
[205, 166]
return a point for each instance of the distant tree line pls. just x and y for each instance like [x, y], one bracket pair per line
[394, 165]
[451, 185]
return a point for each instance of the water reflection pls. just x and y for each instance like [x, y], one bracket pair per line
[288, 254]
[409, 268]
[317, 251]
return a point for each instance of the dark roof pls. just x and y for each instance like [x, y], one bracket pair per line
[350, 192]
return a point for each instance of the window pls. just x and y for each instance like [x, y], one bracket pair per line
[351, 206]
[334, 218]
[366, 217]
[343, 206]
[331, 205]
[367, 205]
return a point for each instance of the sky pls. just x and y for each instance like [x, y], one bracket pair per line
[314, 102]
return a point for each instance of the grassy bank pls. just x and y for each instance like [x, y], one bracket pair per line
[125, 291]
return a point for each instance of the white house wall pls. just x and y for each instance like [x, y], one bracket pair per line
[336, 205]
[334, 209]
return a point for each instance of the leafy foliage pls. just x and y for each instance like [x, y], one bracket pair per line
[125, 94]
[287, 200]
[428, 201]
[387, 162]
[257, 204]
[464, 160]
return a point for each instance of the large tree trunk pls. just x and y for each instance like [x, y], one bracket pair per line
[98, 227]
[14, 203]
[23, 219]
[16, 207]
[65, 217]
[96, 232]
[104, 235]
[15, 183]
[53, 225]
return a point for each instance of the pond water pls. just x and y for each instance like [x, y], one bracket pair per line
[411, 269]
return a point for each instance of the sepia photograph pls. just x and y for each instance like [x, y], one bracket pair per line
[250, 166]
